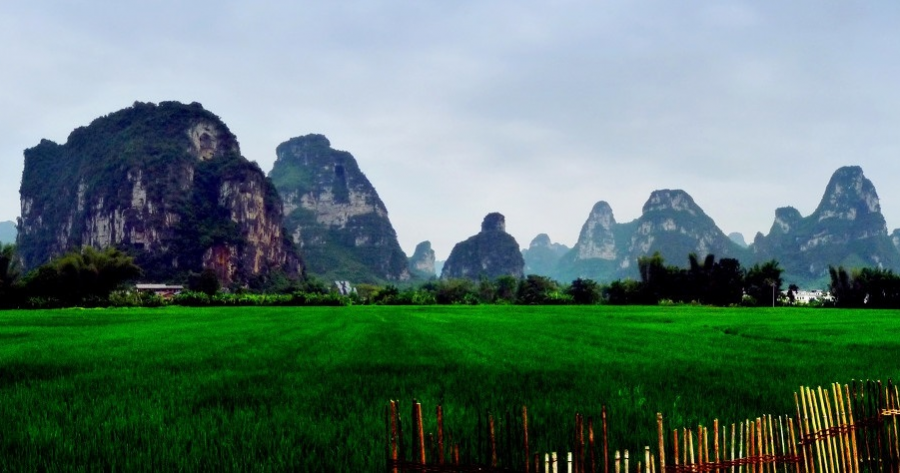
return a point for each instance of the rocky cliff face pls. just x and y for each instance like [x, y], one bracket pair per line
[847, 228]
[491, 253]
[421, 263]
[671, 223]
[542, 255]
[164, 182]
[334, 214]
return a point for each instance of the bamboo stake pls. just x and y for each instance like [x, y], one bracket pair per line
[860, 406]
[493, 440]
[793, 447]
[569, 460]
[684, 443]
[626, 460]
[647, 458]
[699, 446]
[842, 418]
[705, 445]
[838, 447]
[780, 447]
[394, 436]
[741, 449]
[800, 427]
[826, 426]
[421, 433]
[675, 445]
[732, 447]
[547, 465]
[605, 442]
[877, 408]
[896, 434]
[579, 442]
[771, 442]
[591, 445]
[440, 434]
[892, 404]
[653, 465]
[525, 437]
[803, 427]
[662, 448]
[618, 460]
[760, 446]
[716, 440]
[691, 445]
[814, 428]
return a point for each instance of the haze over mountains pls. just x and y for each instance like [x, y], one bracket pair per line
[168, 184]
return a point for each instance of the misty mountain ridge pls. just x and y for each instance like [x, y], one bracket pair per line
[847, 229]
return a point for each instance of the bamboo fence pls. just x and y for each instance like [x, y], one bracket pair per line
[840, 429]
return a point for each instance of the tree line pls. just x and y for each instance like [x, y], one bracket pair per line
[91, 277]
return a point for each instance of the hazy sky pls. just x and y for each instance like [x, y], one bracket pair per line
[455, 109]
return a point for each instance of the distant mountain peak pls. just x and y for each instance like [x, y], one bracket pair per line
[669, 199]
[849, 195]
[786, 219]
[491, 253]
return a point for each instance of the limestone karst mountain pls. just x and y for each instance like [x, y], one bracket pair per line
[334, 214]
[166, 183]
[671, 223]
[491, 253]
[738, 238]
[421, 263]
[542, 255]
[846, 229]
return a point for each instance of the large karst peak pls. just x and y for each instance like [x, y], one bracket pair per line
[491, 253]
[334, 214]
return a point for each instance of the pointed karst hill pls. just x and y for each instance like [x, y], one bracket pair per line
[421, 263]
[846, 229]
[166, 183]
[334, 214]
[542, 255]
[671, 223]
[491, 253]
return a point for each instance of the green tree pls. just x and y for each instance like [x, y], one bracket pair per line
[9, 274]
[206, 282]
[537, 290]
[763, 282]
[86, 276]
[585, 291]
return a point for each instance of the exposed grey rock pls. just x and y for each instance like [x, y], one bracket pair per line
[421, 263]
[165, 183]
[671, 223]
[846, 229]
[334, 214]
[491, 253]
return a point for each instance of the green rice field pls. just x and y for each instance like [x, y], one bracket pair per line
[305, 389]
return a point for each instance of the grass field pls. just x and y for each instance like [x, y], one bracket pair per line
[304, 389]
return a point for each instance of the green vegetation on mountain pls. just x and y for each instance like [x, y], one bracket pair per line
[167, 184]
[334, 214]
[490, 254]
[846, 229]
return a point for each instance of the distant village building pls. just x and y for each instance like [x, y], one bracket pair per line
[806, 297]
[162, 290]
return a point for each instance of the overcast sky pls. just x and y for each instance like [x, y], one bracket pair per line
[455, 109]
